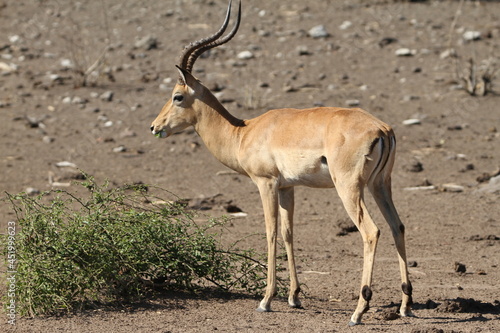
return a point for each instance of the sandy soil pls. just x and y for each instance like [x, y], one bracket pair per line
[47, 116]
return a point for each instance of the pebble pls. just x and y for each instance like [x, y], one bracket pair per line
[405, 52]
[420, 188]
[345, 25]
[65, 164]
[32, 191]
[244, 55]
[410, 122]
[452, 188]
[415, 166]
[147, 42]
[408, 98]
[14, 39]
[303, 50]
[78, 100]
[47, 139]
[352, 102]
[460, 268]
[66, 63]
[107, 96]
[471, 35]
[55, 77]
[493, 185]
[448, 53]
[318, 31]
[7, 68]
[119, 149]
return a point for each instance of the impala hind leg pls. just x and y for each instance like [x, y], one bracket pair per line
[269, 195]
[381, 191]
[351, 194]
[286, 204]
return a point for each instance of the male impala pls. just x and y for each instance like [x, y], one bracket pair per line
[320, 147]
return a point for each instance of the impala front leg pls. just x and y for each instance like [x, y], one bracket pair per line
[268, 189]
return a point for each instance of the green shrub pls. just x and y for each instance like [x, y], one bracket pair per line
[117, 244]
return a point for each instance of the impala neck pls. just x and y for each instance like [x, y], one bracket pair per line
[219, 130]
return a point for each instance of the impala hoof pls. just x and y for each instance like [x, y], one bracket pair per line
[408, 314]
[295, 305]
[351, 323]
[259, 309]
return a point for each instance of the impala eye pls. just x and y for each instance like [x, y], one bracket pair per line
[178, 98]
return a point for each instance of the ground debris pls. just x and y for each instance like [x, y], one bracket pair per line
[459, 267]
[346, 226]
[468, 305]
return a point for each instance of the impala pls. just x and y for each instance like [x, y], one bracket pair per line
[322, 147]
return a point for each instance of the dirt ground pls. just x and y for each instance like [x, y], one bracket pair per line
[125, 51]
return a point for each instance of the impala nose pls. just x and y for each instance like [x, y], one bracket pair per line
[152, 128]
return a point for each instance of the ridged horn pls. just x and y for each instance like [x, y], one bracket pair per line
[194, 50]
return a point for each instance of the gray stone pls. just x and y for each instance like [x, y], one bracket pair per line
[318, 31]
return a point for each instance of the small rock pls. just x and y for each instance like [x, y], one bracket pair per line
[230, 208]
[303, 50]
[66, 100]
[65, 164]
[107, 96]
[459, 267]
[14, 39]
[245, 55]
[119, 149]
[78, 100]
[386, 41]
[414, 166]
[420, 188]
[408, 98]
[67, 63]
[455, 128]
[412, 121]
[352, 102]
[345, 25]
[452, 188]
[405, 52]
[147, 42]
[32, 191]
[6, 68]
[47, 139]
[412, 263]
[471, 35]
[448, 53]
[493, 185]
[318, 31]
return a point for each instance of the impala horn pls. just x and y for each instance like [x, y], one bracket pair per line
[193, 50]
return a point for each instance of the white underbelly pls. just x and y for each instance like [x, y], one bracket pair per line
[301, 172]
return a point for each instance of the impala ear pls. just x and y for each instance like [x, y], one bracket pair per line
[182, 76]
[186, 78]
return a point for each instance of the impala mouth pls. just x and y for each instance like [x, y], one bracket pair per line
[161, 134]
